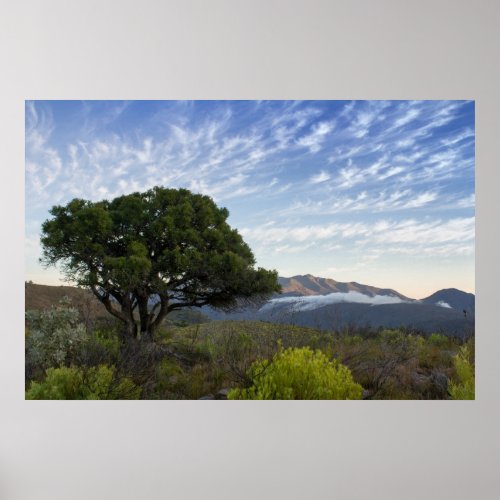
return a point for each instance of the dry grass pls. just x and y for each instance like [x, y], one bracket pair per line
[40, 297]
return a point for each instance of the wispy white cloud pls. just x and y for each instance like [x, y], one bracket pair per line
[390, 172]
[205, 158]
[468, 133]
[408, 117]
[320, 177]
[458, 230]
[92, 123]
[323, 172]
[467, 202]
[314, 140]
[374, 201]
[421, 199]
[43, 163]
[370, 113]
[350, 176]
[436, 237]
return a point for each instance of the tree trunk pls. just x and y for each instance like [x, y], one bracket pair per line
[130, 330]
[125, 315]
[128, 313]
[144, 316]
[156, 322]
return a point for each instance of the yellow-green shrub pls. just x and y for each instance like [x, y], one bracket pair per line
[465, 388]
[75, 383]
[439, 340]
[299, 373]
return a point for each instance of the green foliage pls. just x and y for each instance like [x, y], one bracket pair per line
[76, 383]
[174, 382]
[170, 380]
[382, 362]
[299, 374]
[210, 358]
[53, 336]
[168, 243]
[101, 347]
[352, 340]
[389, 364]
[397, 337]
[438, 340]
[465, 387]
[108, 338]
[437, 351]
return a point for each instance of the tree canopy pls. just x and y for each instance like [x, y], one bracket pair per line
[154, 252]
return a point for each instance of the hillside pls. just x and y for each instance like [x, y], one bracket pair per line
[453, 298]
[331, 305]
[307, 301]
[40, 297]
[306, 285]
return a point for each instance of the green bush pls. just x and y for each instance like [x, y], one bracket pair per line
[439, 340]
[299, 373]
[75, 383]
[436, 353]
[465, 388]
[170, 380]
[53, 336]
[108, 338]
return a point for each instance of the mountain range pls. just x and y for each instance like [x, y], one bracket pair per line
[308, 300]
[312, 285]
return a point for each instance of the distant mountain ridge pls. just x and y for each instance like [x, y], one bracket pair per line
[306, 285]
[320, 303]
[455, 299]
[308, 300]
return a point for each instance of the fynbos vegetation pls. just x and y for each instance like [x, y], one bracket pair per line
[152, 259]
[240, 360]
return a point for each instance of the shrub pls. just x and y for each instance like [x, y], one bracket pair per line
[108, 337]
[299, 373]
[380, 360]
[233, 353]
[465, 388]
[436, 353]
[53, 336]
[75, 383]
[102, 347]
[438, 340]
[170, 380]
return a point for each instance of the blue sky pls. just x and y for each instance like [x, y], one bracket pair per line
[378, 192]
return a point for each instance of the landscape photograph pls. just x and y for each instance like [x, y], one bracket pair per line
[250, 250]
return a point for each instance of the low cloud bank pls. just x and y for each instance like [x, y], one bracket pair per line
[310, 302]
[442, 303]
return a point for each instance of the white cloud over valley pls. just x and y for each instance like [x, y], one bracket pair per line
[311, 302]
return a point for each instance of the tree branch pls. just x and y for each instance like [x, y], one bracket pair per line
[164, 310]
[193, 303]
[104, 298]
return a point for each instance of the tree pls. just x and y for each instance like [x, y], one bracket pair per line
[152, 253]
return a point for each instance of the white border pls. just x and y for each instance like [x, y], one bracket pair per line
[226, 49]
